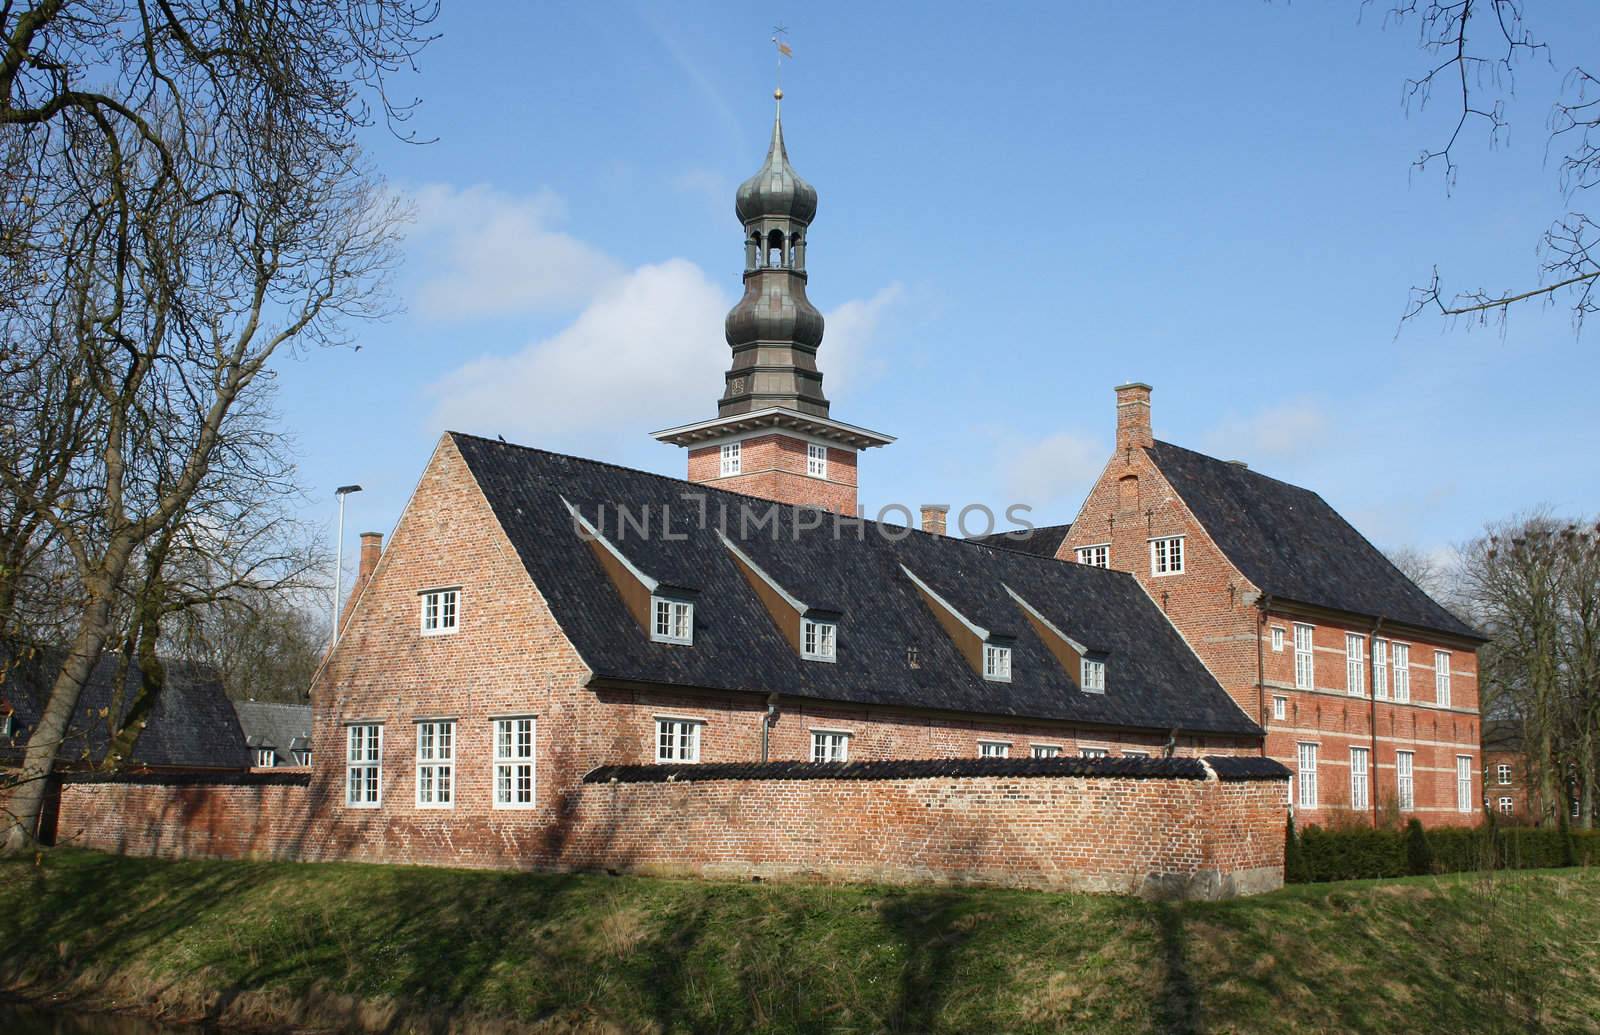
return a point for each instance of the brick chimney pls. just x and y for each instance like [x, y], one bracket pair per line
[934, 516]
[1133, 417]
[371, 550]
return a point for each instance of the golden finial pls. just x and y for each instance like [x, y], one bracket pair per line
[777, 94]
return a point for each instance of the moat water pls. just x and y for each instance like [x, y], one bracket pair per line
[23, 1019]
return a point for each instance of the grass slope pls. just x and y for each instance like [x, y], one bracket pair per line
[1463, 953]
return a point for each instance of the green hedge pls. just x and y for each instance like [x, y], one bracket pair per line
[1323, 855]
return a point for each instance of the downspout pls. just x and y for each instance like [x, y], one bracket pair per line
[1261, 669]
[766, 722]
[1372, 695]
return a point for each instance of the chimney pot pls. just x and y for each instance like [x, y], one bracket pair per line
[934, 516]
[1133, 416]
[371, 550]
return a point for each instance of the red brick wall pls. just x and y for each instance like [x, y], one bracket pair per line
[1517, 788]
[1200, 838]
[773, 467]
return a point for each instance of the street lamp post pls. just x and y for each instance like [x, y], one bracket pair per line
[338, 556]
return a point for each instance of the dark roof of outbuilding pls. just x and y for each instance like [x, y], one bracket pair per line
[1042, 541]
[191, 725]
[1294, 546]
[1154, 681]
[268, 724]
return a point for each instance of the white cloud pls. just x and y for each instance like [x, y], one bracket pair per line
[1277, 433]
[1052, 469]
[485, 253]
[846, 356]
[646, 353]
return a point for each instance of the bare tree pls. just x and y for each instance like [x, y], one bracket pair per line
[196, 201]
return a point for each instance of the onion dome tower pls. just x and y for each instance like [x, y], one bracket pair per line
[772, 436]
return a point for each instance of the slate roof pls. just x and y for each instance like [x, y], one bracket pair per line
[1154, 681]
[284, 728]
[1294, 546]
[1042, 541]
[192, 725]
[1228, 769]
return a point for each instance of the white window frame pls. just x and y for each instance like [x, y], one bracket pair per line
[515, 773]
[1277, 639]
[1502, 773]
[1097, 555]
[1280, 708]
[730, 460]
[1045, 751]
[997, 663]
[681, 737]
[1136, 754]
[1360, 778]
[363, 761]
[1405, 779]
[1441, 678]
[1166, 555]
[1306, 774]
[819, 640]
[1463, 783]
[1094, 752]
[1400, 659]
[5, 724]
[301, 757]
[440, 611]
[671, 620]
[1507, 806]
[1355, 664]
[1305, 656]
[830, 745]
[816, 460]
[994, 749]
[436, 764]
[1092, 675]
[1380, 668]
[266, 758]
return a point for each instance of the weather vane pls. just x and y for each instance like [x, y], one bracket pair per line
[778, 34]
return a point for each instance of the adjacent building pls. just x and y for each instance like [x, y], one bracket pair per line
[277, 734]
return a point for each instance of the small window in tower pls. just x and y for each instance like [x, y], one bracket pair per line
[775, 248]
[817, 461]
[729, 455]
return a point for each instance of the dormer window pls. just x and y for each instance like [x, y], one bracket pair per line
[1092, 677]
[997, 662]
[731, 460]
[674, 621]
[818, 640]
[817, 461]
[441, 611]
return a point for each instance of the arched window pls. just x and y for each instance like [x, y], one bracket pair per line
[775, 248]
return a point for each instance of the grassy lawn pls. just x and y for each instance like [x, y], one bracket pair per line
[1515, 952]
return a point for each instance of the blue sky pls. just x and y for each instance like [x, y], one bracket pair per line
[1021, 206]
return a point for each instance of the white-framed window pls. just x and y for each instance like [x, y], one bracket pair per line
[1401, 654]
[1094, 753]
[1280, 709]
[1463, 783]
[1380, 669]
[996, 662]
[513, 762]
[1305, 663]
[1166, 555]
[1046, 751]
[678, 740]
[1502, 773]
[1306, 756]
[441, 611]
[673, 621]
[816, 460]
[1576, 808]
[363, 788]
[1277, 639]
[1355, 664]
[1358, 779]
[301, 757]
[1403, 770]
[830, 746]
[1136, 754]
[994, 749]
[729, 459]
[1097, 556]
[436, 764]
[266, 758]
[818, 640]
[1505, 806]
[5, 725]
[1441, 677]
[1092, 675]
